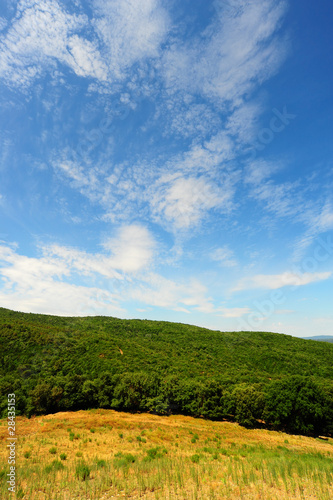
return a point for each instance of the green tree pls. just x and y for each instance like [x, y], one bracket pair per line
[246, 403]
[296, 404]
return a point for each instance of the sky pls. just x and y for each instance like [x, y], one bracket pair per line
[169, 161]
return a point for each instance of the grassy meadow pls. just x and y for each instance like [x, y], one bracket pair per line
[104, 454]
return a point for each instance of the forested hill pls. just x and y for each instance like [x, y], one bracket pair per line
[67, 363]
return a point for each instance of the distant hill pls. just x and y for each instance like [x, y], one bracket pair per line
[320, 338]
[57, 363]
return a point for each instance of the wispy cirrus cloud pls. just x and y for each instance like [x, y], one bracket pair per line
[275, 281]
[224, 256]
[318, 221]
[237, 51]
[3, 23]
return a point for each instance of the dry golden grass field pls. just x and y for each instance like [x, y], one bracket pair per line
[103, 454]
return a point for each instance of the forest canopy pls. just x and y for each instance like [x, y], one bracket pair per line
[264, 379]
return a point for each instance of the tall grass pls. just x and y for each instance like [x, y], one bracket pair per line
[213, 460]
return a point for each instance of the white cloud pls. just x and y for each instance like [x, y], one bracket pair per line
[209, 158]
[274, 281]
[3, 23]
[284, 311]
[61, 299]
[318, 221]
[86, 60]
[48, 283]
[288, 200]
[158, 291]
[133, 249]
[325, 219]
[237, 51]
[243, 122]
[130, 251]
[224, 256]
[87, 181]
[258, 171]
[178, 192]
[283, 200]
[82, 262]
[183, 116]
[131, 31]
[36, 285]
[184, 201]
[42, 34]
[233, 312]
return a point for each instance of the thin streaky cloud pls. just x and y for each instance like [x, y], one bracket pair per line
[275, 281]
[238, 51]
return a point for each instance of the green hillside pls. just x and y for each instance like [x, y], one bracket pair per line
[59, 363]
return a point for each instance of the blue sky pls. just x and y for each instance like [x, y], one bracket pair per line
[168, 160]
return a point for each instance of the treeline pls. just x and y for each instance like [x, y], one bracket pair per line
[254, 378]
[294, 404]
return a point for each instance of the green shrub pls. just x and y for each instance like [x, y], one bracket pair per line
[153, 453]
[63, 456]
[27, 454]
[82, 471]
[54, 466]
[195, 458]
[123, 460]
[53, 450]
[57, 465]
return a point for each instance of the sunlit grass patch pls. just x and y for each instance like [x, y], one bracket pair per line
[226, 460]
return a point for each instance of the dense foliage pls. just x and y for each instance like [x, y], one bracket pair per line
[255, 378]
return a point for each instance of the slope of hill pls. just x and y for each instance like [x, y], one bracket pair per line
[103, 454]
[68, 363]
